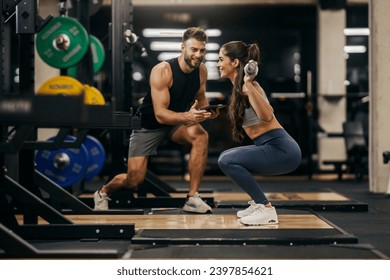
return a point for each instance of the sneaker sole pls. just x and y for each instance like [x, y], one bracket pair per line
[190, 209]
[100, 209]
[270, 222]
[242, 216]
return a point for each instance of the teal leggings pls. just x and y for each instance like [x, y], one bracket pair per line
[273, 153]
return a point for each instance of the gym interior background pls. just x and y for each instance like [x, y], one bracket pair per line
[287, 37]
[132, 37]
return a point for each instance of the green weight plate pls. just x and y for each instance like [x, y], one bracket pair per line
[98, 54]
[62, 43]
[98, 57]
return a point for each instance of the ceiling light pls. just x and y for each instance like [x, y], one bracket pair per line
[356, 32]
[165, 46]
[212, 56]
[176, 46]
[174, 33]
[355, 49]
[167, 55]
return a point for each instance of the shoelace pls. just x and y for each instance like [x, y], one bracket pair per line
[251, 203]
[197, 195]
[258, 208]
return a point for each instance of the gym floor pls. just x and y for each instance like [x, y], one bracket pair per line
[370, 227]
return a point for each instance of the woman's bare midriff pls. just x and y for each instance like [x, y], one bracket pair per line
[256, 130]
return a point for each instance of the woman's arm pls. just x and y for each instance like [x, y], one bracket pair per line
[257, 98]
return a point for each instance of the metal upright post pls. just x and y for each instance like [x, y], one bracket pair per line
[121, 15]
[80, 11]
[26, 13]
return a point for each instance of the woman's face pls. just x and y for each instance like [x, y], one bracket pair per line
[226, 66]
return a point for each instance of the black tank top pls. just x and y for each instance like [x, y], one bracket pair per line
[182, 93]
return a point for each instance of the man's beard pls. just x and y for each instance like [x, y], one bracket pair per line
[188, 61]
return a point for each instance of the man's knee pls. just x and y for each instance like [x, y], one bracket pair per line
[201, 137]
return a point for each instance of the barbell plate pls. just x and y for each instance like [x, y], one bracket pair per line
[61, 85]
[96, 157]
[93, 96]
[63, 42]
[98, 57]
[64, 167]
[98, 53]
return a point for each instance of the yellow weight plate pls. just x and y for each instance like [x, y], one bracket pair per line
[93, 96]
[61, 85]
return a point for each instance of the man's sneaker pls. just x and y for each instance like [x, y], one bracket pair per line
[247, 211]
[196, 205]
[261, 215]
[101, 200]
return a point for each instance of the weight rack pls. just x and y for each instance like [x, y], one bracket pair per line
[25, 112]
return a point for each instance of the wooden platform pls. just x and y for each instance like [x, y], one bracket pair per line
[194, 221]
[173, 226]
[209, 221]
[284, 196]
[274, 196]
[317, 201]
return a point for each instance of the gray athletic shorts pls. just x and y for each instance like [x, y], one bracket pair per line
[144, 142]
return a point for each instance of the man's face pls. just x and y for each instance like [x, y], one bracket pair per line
[193, 52]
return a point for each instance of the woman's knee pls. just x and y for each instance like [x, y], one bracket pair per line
[223, 161]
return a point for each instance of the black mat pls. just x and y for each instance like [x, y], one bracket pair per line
[243, 237]
[344, 251]
[71, 249]
[316, 205]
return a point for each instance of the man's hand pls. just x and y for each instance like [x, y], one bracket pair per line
[196, 116]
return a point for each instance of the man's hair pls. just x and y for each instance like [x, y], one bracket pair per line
[196, 33]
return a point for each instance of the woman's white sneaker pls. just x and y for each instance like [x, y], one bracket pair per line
[261, 215]
[247, 211]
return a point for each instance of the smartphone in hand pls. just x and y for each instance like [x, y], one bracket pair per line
[212, 107]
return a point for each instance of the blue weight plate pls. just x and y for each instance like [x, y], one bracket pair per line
[96, 155]
[65, 167]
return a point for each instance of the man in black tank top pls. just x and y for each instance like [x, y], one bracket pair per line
[169, 110]
[181, 94]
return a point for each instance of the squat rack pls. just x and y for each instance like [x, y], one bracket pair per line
[24, 111]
